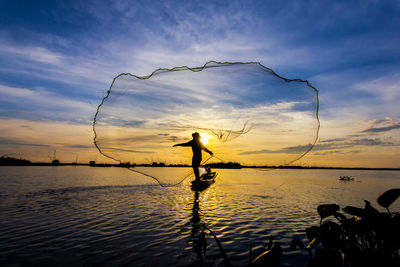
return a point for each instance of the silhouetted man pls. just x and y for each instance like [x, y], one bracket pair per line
[197, 147]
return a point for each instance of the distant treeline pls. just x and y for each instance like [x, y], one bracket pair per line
[224, 165]
[10, 161]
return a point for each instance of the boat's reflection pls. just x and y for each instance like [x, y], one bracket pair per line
[199, 228]
[197, 235]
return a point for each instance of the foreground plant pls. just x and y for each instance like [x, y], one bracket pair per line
[367, 238]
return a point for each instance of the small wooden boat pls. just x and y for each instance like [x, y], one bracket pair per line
[206, 179]
[346, 178]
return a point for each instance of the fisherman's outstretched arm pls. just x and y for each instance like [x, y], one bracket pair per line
[206, 150]
[184, 144]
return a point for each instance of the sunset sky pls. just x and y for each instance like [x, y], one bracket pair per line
[58, 58]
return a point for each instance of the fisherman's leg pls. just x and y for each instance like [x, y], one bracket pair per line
[196, 172]
[196, 164]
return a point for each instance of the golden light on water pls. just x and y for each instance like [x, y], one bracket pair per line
[204, 138]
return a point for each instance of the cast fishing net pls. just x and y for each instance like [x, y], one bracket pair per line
[244, 111]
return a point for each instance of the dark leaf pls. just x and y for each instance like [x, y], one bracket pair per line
[340, 217]
[327, 210]
[296, 243]
[312, 243]
[359, 212]
[387, 198]
[330, 228]
[369, 209]
[312, 232]
[270, 242]
[330, 235]
[270, 257]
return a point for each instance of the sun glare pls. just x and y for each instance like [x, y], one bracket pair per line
[204, 138]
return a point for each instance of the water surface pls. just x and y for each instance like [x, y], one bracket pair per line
[85, 216]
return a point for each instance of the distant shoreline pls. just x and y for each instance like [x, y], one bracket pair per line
[188, 166]
[10, 161]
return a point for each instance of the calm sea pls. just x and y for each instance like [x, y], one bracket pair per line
[83, 216]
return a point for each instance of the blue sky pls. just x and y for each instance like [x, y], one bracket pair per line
[57, 59]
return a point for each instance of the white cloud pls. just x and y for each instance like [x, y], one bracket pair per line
[8, 91]
[385, 87]
[39, 54]
[43, 98]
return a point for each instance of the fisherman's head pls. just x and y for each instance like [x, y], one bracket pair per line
[196, 135]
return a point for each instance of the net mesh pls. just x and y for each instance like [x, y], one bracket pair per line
[244, 111]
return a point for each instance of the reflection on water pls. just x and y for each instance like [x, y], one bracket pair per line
[197, 232]
[110, 216]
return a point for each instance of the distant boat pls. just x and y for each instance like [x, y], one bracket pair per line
[346, 178]
[206, 179]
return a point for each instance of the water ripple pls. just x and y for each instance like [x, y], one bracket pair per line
[90, 219]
